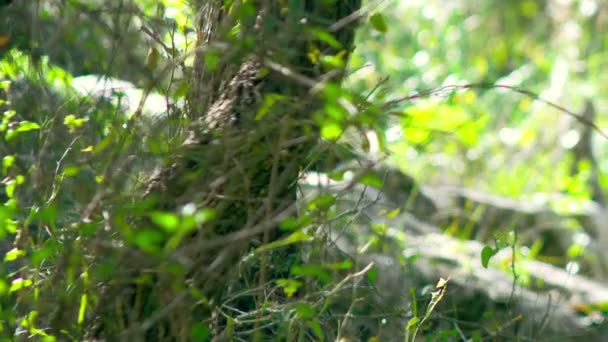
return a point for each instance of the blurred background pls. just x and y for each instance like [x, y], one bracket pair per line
[492, 139]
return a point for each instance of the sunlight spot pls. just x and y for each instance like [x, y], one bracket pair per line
[570, 139]
[587, 7]
[582, 239]
[188, 209]
[421, 59]
[509, 136]
[394, 134]
[573, 267]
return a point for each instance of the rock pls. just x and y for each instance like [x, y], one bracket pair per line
[124, 95]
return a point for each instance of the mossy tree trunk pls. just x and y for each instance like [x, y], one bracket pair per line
[257, 80]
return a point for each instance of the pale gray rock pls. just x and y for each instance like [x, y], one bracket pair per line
[125, 95]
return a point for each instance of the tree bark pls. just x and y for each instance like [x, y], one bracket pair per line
[256, 81]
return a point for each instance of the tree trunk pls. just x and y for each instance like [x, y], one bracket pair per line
[256, 81]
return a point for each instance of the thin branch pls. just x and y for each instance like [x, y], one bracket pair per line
[529, 93]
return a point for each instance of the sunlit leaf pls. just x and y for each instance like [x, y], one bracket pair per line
[7, 162]
[298, 236]
[168, 221]
[325, 37]
[289, 286]
[26, 126]
[13, 254]
[71, 171]
[19, 284]
[331, 131]
[82, 309]
[332, 62]
[394, 213]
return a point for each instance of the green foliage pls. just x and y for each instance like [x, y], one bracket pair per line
[414, 324]
[74, 223]
[486, 254]
[378, 22]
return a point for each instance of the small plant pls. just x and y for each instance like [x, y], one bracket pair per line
[414, 324]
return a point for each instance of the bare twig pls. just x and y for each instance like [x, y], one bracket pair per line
[529, 93]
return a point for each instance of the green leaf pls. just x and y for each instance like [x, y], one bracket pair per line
[211, 60]
[486, 254]
[293, 223]
[71, 171]
[82, 309]
[378, 22]
[311, 270]
[416, 135]
[326, 37]
[149, 240]
[10, 188]
[332, 62]
[73, 122]
[290, 223]
[337, 175]
[372, 275]
[436, 297]
[316, 328]
[289, 286]
[39, 255]
[200, 332]
[391, 215]
[181, 90]
[335, 111]
[575, 251]
[344, 265]
[26, 126]
[7, 162]
[19, 284]
[372, 179]
[380, 228]
[269, 101]
[322, 203]
[13, 254]
[413, 322]
[167, 221]
[3, 287]
[305, 311]
[205, 216]
[331, 131]
[291, 239]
